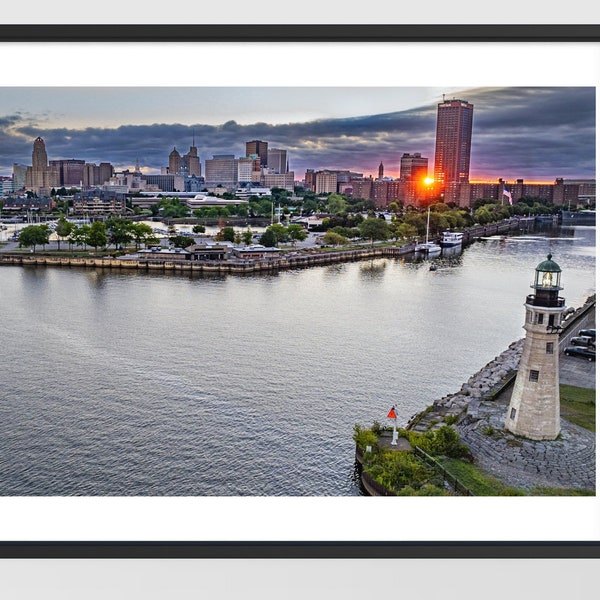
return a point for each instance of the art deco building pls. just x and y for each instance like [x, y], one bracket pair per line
[175, 162]
[191, 161]
[40, 177]
[453, 142]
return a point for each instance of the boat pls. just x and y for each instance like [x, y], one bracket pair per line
[451, 238]
[428, 247]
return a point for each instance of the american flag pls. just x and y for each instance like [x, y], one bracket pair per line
[506, 192]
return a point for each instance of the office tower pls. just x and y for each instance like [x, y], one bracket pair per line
[277, 160]
[380, 173]
[70, 172]
[413, 167]
[192, 161]
[245, 169]
[453, 142]
[259, 148]
[175, 162]
[19, 174]
[222, 169]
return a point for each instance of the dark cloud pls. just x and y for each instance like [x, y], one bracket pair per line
[532, 133]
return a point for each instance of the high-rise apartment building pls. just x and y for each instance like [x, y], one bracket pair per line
[453, 142]
[259, 148]
[326, 182]
[413, 167]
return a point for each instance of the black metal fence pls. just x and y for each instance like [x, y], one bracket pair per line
[452, 481]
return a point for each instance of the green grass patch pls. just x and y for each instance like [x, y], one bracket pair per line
[484, 484]
[578, 405]
[479, 482]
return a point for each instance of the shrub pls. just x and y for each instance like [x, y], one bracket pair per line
[364, 437]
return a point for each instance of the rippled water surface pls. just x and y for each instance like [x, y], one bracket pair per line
[142, 384]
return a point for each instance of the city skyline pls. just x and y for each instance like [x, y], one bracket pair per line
[536, 133]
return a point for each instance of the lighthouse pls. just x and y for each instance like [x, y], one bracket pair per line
[534, 409]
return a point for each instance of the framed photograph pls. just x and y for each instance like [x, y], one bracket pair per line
[185, 391]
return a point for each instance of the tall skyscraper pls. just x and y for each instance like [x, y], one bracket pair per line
[175, 162]
[453, 142]
[191, 160]
[40, 177]
[259, 148]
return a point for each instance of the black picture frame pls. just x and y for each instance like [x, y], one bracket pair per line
[302, 33]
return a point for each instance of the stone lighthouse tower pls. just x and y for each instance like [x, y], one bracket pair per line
[534, 410]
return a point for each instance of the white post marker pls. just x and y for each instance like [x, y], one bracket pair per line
[392, 415]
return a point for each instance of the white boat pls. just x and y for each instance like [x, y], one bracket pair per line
[450, 238]
[428, 247]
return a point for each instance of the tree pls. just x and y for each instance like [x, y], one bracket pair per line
[406, 231]
[34, 235]
[268, 238]
[247, 236]
[296, 233]
[332, 238]
[374, 229]
[63, 229]
[143, 234]
[173, 208]
[198, 229]
[96, 236]
[336, 204]
[79, 235]
[182, 241]
[227, 234]
[281, 232]
[120, 231]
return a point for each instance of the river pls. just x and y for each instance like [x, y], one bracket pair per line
[136, 384]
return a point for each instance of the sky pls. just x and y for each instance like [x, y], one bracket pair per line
[530, 133]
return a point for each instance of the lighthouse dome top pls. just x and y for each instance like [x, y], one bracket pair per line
[547, 275]
[548, 266]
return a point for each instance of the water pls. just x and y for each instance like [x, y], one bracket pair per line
[143, 384]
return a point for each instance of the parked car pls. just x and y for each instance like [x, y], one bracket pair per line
[582, 340]
[581, 351]
[589, 333]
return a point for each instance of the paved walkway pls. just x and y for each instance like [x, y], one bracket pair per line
[568, 462]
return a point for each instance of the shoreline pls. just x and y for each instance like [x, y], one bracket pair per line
[246, 266]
